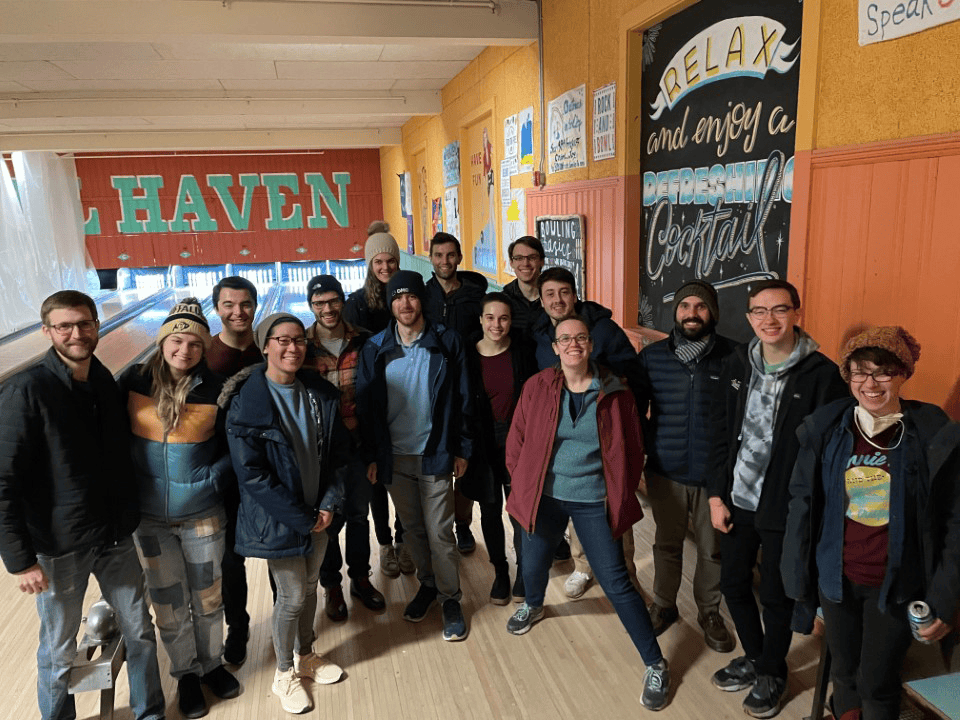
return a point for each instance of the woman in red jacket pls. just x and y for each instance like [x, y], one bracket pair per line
[575, 451]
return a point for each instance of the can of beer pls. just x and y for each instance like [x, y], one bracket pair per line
[920, 617]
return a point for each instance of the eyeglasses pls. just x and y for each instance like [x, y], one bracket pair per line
[880, 376]
[321, 304]
[285, 340]
[565, 340]
[524, 258]
[778, 311]
[66, 329]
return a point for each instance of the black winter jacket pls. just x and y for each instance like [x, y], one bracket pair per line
[460, 310]
[525, 312]
[358, 313]
[811, 383]
[274, 520]
[679, 397]
[66, 479]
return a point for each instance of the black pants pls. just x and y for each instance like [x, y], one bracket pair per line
[234, 573]
[867, 647]
[766, 643]
[380, 509]
[356, 508]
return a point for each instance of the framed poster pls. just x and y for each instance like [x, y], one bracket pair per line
[562, 237]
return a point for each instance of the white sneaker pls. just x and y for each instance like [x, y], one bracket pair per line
[576, 584]
[293, 697]
[317, 668]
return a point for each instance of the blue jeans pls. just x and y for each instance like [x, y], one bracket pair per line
[296, 603]
[60, 609]
[356, 508]
[605, 556]
[182, 565]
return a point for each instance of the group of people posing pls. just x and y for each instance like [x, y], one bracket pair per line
[267, 441]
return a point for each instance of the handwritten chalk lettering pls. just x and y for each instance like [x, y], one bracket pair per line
[779, 122]
[669, 139]
[734, 183]
[715, 235]
[738, 120]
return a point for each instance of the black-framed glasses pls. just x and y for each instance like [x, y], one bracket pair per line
[66, 328]
[778, 311]
[880, 376]
[285, 340]
[524, 258]
[564, 340]
[321, 304]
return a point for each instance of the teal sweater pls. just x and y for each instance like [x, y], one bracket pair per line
[575, 473]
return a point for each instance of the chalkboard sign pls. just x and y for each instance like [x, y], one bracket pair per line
[562, 238]
[719, 98]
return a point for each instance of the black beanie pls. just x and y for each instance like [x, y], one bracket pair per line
[323, 284]
[703, 290]
[406, 281]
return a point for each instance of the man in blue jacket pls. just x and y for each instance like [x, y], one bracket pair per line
[68, 504]
[415, 409]
[680, 376]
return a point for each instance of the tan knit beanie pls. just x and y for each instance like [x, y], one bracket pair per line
[381, 242]
[892, 338]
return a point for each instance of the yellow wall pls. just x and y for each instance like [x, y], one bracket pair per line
[897, 89]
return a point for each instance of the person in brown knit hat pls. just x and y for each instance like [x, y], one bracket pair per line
[874, 521]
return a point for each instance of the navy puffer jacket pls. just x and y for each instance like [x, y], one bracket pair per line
[678, 434]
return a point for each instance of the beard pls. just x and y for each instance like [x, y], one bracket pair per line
[696, 330]
[76, 350]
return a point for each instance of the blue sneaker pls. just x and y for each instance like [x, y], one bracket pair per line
[454, 624]
[523, 618]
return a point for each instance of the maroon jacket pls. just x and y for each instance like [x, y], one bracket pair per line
[534, 430]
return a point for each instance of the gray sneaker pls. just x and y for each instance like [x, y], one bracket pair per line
[739, 674]
[766, 697]
[656, 686]
[523, 618]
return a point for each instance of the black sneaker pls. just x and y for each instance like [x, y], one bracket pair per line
[562, 552]
[522, 620]
[766, 697]
[190, 698]
[235, 646]
[466, 543]
[454, 624]
[662, 617]
[500, 590]
[519, 592]
[656, 686]
[417, 608]
[221, 683]
[739, 674]
[371, 598]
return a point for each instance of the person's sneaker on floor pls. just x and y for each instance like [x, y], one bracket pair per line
[316, 667]
[662, 617]
[576, 585]
[656, 686]
[388, 561]
[221, 683]
[371, 598]
[405, 559]
[235, 646]
[715, 632]
[417, 608]
[766, 697]
[466, 543]
[739, 674]
[190, 696]
[500, 590]
[293, 696]
[335, 606]
[519, 592]
[523, 618]
[562, 551]
[454, 624]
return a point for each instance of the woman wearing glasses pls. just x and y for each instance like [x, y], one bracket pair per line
[287, 443]
[181, 462]
[874, 521]
[575, 451]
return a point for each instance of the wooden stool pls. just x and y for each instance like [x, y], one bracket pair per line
[98, 673]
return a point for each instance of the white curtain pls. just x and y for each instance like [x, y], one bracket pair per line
[43, 248]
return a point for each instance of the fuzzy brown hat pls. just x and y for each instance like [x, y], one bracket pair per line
[891, 338]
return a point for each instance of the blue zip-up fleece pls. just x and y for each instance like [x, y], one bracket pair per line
[923, 559]
[274, 520]
[678, 433]
[180, 475]
[451, 401]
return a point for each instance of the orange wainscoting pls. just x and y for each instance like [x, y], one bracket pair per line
[876, 241]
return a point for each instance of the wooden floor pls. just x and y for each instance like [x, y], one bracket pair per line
[576, 663]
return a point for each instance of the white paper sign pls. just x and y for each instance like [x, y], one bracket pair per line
[510, 137]
[451, 203]
[888, 19]
[605, 122]
[507, 169]
[567, 115]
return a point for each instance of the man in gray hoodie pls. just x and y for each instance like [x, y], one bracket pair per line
[766, 389]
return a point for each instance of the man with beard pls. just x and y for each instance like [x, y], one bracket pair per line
[680, 376]
[68, 504]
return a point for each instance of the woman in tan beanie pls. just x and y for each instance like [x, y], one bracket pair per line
[874, 521]
[367, 307]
